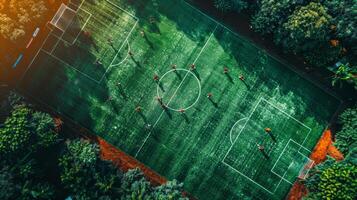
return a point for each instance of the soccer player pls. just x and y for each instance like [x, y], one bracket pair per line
[142, 33]
[138, 109]
[193, 67]
[174, 67]
[225, 70]
[262, 150]
[118, 84]
[241, 77]
[209, 95]
[156, 78]
[268, 131]
[182, 111]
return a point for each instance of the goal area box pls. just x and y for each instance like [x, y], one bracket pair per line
[293, 162]
[285, 156]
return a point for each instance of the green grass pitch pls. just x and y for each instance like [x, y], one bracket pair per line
[213, 146]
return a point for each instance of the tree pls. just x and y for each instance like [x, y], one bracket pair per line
[85, 175]
[135, 186]
[307, 27]
[231, 5]
[345, 73]
[15, 136]
[8, 186]
[171, 190]
[272, 14]
[338, 182]
[42, 124]
[347, 136]
[344, 19]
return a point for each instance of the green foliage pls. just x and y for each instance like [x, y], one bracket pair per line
[172, 190]
[34, 190]
[338, 182]
[231, 5]
[77, 165]
[83, 152]
[344, 18]
[8, 186]
[333, 181]
[135, 186]
[42, 124]
[272, 14]
[307, 26]
[15, 136]
[347, 136]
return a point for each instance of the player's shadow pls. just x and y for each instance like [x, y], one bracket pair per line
[229, 77]
[151, 45]
[246, 84]
[185, 117]
[214, 103]
[168, 112]
[143, 117]
[178, 74]
[161, 86]
[195, 72]
[137, 63]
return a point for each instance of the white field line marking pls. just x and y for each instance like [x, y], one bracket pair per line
[230, 132]
[70, 66]
[282, 178]
[136, 18]
[290, 140]
[33, 59]
[64, 31]
[157, 121]
[250, 115]
[270, 55]
[117, 53]
[199, 88]
[124, 42]
[126, 57]
[247, 177]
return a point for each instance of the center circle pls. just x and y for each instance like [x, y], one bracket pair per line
[182, 77]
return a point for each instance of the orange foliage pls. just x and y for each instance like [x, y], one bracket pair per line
[126, 162]
[297, 191]
[323, 148]
[335, 153]
[334, 43]
[320, 151]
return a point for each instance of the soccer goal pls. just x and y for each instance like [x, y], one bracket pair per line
[63, 18]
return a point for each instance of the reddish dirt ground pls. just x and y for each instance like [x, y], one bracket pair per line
[323, 148]
[11, 75]
[126, 162]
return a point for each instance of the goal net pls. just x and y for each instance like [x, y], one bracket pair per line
[63, 17]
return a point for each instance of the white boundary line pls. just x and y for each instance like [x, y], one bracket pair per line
[116, 55]
[126, 57]
[178, 87]
[247, 177]
[199, 88]
[230, 132]
[272, 169]
[247, 120]
[136, 18]
[280, 60]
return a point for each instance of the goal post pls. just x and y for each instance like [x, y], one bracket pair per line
[63, 18]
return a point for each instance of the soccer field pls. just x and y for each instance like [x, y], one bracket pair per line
[183, 94]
